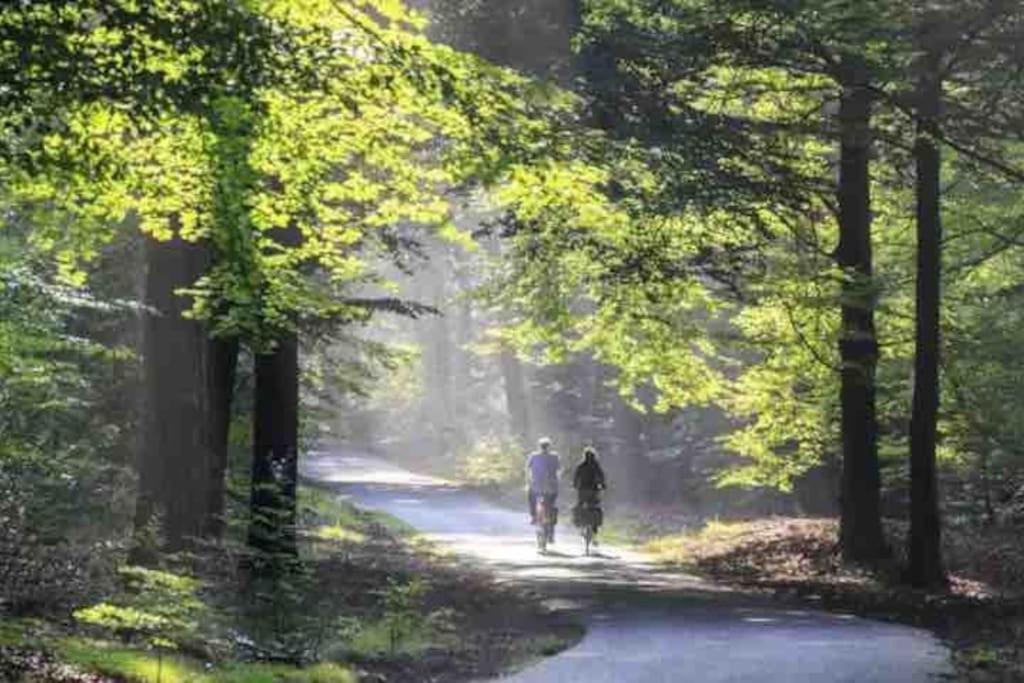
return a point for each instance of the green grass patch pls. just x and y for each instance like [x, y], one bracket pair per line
[375, 638]
[981, 656]
[622, 532]
[684, 548]
[133, 665]
[18, 631]
[333, 518]
[145, 666]
[626, 530]
[278, 673]
[339, 534]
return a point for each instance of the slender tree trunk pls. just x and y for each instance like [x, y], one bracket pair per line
[223, 362]
[466, 415]
[515, 395]
[861, 536]
[275, 449]
[435, 335]
[628, 427]
[924, 545]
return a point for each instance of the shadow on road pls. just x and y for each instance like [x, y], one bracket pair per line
[647, 622]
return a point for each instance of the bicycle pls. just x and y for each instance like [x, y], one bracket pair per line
[546, 517]
[588, 518]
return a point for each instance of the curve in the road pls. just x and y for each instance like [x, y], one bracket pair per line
[645, 624]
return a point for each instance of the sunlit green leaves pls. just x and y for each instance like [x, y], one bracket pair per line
[159, 606]
[302, 173]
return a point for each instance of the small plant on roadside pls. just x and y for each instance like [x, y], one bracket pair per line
[403, 616]
[980, 657]
[157, 608]
[285, 617]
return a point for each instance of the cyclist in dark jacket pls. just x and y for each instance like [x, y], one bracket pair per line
[589, 481]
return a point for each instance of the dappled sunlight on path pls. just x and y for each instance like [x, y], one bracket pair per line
[645, 622]
[472, 526]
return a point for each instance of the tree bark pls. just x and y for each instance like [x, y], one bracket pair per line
[924, 543]
[184, 446]
[275, 449]
[223, 363]
[861, 537]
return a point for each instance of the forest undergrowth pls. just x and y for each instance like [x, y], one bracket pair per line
[367, 600]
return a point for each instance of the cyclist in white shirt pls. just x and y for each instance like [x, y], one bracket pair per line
[542, 476]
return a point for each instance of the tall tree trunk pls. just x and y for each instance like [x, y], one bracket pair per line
[924, 543]
[275, 449]
[435, 336]
[861, 535]
[220, 375]
[628, 426]
[466, 412]
[515, 395]
[185, 392]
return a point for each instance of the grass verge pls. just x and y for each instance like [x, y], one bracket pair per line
[141, 666]
[33, 650]
[423, 614]
[369, 600]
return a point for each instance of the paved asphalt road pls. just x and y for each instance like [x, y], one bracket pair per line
[644, 624]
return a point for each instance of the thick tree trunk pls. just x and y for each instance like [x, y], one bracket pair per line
[924, 551]
[861, 535]
[184, 445]
[275, 449]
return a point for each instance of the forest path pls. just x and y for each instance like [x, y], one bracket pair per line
[644, 623]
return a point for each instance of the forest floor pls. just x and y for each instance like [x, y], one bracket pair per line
[371, 602]
[980, 616]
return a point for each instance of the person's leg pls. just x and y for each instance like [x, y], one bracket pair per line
[553, 507]
[531, 500]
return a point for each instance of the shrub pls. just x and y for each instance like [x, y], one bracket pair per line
[157, 607]
[56, 547]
